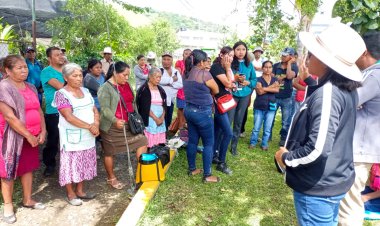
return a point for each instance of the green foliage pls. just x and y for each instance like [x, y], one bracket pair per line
[132, 8]
[308, 7]
[165, 40]
[364, 14]
[83, 30]
[6, 31]
[270, 28]
[90, 25]
[179, 21]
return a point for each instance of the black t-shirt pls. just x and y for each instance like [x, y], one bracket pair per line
[286, 86]
[217, 69]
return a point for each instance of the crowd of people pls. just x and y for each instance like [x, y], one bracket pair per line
[321, 98]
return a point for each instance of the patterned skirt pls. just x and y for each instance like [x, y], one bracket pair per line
[77, 166]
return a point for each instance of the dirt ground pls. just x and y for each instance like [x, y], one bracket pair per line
[105, 209]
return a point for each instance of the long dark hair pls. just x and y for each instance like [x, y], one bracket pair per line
[235, 62]
[195, 58]
[223, 51]
[339, 80]
[119, 66]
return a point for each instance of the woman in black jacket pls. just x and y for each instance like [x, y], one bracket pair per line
[318, 153]
[151, 105]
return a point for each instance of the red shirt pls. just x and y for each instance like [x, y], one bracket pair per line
[181, 64]
[126, 92]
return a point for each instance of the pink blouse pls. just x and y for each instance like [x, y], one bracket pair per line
[32, 114]
[156, 97]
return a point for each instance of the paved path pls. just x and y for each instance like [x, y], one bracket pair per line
[105, 209]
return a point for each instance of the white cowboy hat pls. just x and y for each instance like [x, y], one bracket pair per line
[151, 55]
[339, 47]
[107, 50]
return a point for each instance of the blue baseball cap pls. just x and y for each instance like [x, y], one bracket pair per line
[288, 51]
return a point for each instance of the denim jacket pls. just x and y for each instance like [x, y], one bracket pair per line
[366, 137]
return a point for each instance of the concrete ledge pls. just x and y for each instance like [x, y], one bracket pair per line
[136, 208]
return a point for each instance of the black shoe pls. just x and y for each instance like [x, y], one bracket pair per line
[222, 167]
[234, 152]
[49, 171]
[215, 160]
[282, 143]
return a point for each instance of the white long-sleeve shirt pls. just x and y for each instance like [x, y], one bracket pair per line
[171, 88]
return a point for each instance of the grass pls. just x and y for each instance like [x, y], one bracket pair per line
[254, 195]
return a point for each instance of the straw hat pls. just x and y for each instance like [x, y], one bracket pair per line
[339, 47]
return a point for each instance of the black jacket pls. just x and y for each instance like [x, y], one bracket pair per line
[320, 157]
[144, 99]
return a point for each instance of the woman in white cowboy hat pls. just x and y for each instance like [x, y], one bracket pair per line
[318, 151]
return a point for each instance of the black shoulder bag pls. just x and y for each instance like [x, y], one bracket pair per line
[135, 121]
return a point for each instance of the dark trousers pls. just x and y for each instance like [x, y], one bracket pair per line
[169, 115]
[52, 142]
[242, 130]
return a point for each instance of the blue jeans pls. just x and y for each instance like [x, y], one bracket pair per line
[262, 117]
[236, 115]
[317, 210]
[200, 124]
[285, 105]
[223, 134]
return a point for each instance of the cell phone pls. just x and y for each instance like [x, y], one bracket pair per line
[241, 74]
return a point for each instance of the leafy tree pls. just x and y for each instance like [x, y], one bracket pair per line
[307, 10]
[166, 39]
[270, 28]
[364, 14]
[83, 30]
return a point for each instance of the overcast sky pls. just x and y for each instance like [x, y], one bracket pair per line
[233, 13]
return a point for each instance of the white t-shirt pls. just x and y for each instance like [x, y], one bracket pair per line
[258, 63]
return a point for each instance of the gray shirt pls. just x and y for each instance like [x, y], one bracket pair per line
[141, 78]
[366, 136]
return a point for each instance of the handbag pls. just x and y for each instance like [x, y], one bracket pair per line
[163, 153]
[135, 121]
[225, 103]
[374, 177]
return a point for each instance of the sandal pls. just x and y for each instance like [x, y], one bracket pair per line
[36, 206]
[11, 218]
[211, 179]
[115, 183]
[194, 172]
[87, 195]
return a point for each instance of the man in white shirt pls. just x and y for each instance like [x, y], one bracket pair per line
[107, 60]
[171, 81]
[258, 61]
